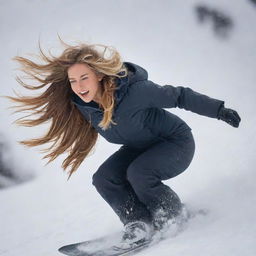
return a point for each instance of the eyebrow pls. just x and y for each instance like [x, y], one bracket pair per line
[80, 76]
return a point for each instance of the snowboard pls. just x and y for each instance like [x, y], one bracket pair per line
[112, 245]
[109, 245]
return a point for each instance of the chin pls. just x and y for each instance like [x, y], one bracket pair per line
[84, 99]
[87, 101]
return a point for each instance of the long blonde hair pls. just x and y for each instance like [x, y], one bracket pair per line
[69, 131]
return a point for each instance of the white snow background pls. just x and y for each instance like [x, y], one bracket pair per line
[165, 38]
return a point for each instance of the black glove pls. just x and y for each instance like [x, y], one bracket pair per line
[228, 115]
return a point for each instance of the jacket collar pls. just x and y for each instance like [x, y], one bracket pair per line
[135, 74]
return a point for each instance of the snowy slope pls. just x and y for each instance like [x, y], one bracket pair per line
[164, 37]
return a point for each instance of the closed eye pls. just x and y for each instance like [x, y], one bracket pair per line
[82, 79]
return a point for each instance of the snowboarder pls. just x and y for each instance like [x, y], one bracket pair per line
[88, 94]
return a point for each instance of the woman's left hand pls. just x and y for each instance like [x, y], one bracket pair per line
[230, 116]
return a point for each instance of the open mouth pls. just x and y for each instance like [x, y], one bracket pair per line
[84, 93]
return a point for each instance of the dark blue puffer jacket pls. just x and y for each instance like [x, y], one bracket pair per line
[139, 114]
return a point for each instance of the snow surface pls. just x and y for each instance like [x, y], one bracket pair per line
[39, 216]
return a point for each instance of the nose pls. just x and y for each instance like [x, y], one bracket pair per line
[80, 85]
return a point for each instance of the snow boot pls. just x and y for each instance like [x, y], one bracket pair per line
[163, 219]
[136, 233]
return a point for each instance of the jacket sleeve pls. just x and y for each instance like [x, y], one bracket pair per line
[168, 96]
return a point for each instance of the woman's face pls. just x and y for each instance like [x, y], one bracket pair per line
[84, 82]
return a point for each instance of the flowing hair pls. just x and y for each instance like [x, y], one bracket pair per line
[69, 131]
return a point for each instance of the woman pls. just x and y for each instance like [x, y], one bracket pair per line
[88, 94]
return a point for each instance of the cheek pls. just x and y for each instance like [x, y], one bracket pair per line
[73, 87]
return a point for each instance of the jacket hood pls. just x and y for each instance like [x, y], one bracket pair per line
[135, 73]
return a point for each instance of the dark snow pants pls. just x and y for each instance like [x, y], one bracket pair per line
[130, 180]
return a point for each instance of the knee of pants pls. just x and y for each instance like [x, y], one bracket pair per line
[98, 179]
[103, 178]
[142, 180]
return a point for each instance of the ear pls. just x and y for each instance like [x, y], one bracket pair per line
[100, 77]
